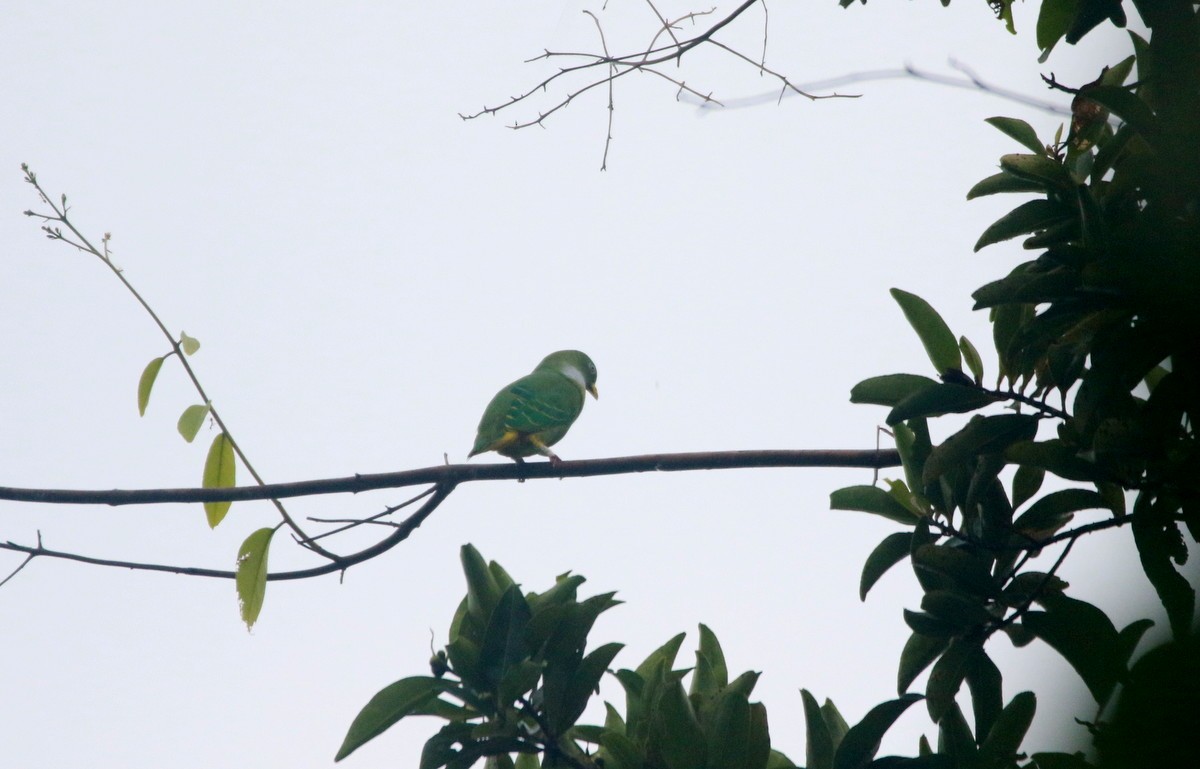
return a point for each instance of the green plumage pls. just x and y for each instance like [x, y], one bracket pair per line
[535, 412]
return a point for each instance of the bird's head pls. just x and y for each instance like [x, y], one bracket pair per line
[574, 365]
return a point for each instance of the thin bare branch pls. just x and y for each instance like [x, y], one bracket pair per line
[463, 473]
[340, 564]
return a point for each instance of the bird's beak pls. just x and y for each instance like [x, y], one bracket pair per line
[595, 393]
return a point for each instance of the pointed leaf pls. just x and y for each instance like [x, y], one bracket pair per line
[987, 692]
[981, 435]
[1001, 183]
[1028, 217]
[678, 733]
[1038, 169]
[890, 389]
[146, 383]
[971, 357]
[1004, 738]
[819, 751]
[1054, 19]
[483, 593]
[893, 549]
[819, 745]
[1026, 482]
[711, 674]
[251, 576]
[1019, 130]
[948, 398]
[191, 420]
[947, 676]
[834, 722]
[729, 734]
[958, 568]
[220, 472]
[392, 703]
[935, 335]
[1084, 636]
[871, 499]
[1055, 510]
[861, 743]
[954, 737]
[919, 653]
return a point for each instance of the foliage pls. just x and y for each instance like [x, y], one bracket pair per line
[1104, 320]
[514, 680]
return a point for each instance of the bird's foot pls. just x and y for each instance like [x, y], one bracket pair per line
[554, 459]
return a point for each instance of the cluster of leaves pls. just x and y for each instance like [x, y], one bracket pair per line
[1104, 320]
[514, 680]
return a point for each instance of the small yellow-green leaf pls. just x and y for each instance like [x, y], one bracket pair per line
[191, 420]
[146, 383]
[871, 499]
[220, 472]
[252, 574]
[935, 335]
[189, 344]
[971, 356]
[1019, 130]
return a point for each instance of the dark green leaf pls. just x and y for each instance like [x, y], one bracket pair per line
[585, 683]
[483, 593]
[619, 752]
[959, 609]
[987, 692]
[834, 722]
[1061, 761]
[919, 653]
[392, 703]
[940, 399]
[861, 743]
[871, 499]
[717, 671]
[890, 389]
[1084, 636]
[220, 472]
[819, 745]
[729, 734]
[1028, 286]
[504, 637]
[928, 625]
[1128, 638]
[935, 335]
[981, 435]
[1039, 169]
[1025, 484]
[676, 730]
[1019, 130]
[947, 676]
[893, 549]
[1002, 182]
[1005, 736]
[1028, 217]
[1055, 510]
[1156, 542]
[251, 577]
[961, 570]
[1129, 108]
[777, 760]
[1055, 456]
[954, 737]
[146, 384]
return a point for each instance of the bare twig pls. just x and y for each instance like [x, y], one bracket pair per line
[339, 564]
[463, 473]
[60, 214]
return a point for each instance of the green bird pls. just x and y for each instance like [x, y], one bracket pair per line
[535, 412]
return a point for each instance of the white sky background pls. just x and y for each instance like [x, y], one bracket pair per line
[292, 185]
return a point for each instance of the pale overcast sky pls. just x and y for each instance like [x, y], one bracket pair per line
[291, 184]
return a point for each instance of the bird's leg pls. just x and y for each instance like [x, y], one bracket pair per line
[543, 449]
[520, 462]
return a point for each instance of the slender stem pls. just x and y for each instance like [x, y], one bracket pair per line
[60, 215]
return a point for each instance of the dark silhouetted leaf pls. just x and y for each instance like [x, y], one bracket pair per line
[861, 743]
[893, 549]
[940, 399]
[890, 389]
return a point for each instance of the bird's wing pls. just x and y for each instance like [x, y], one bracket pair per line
[542, 401]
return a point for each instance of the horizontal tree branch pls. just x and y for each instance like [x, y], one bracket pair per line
[340, 563]
[463, 473]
